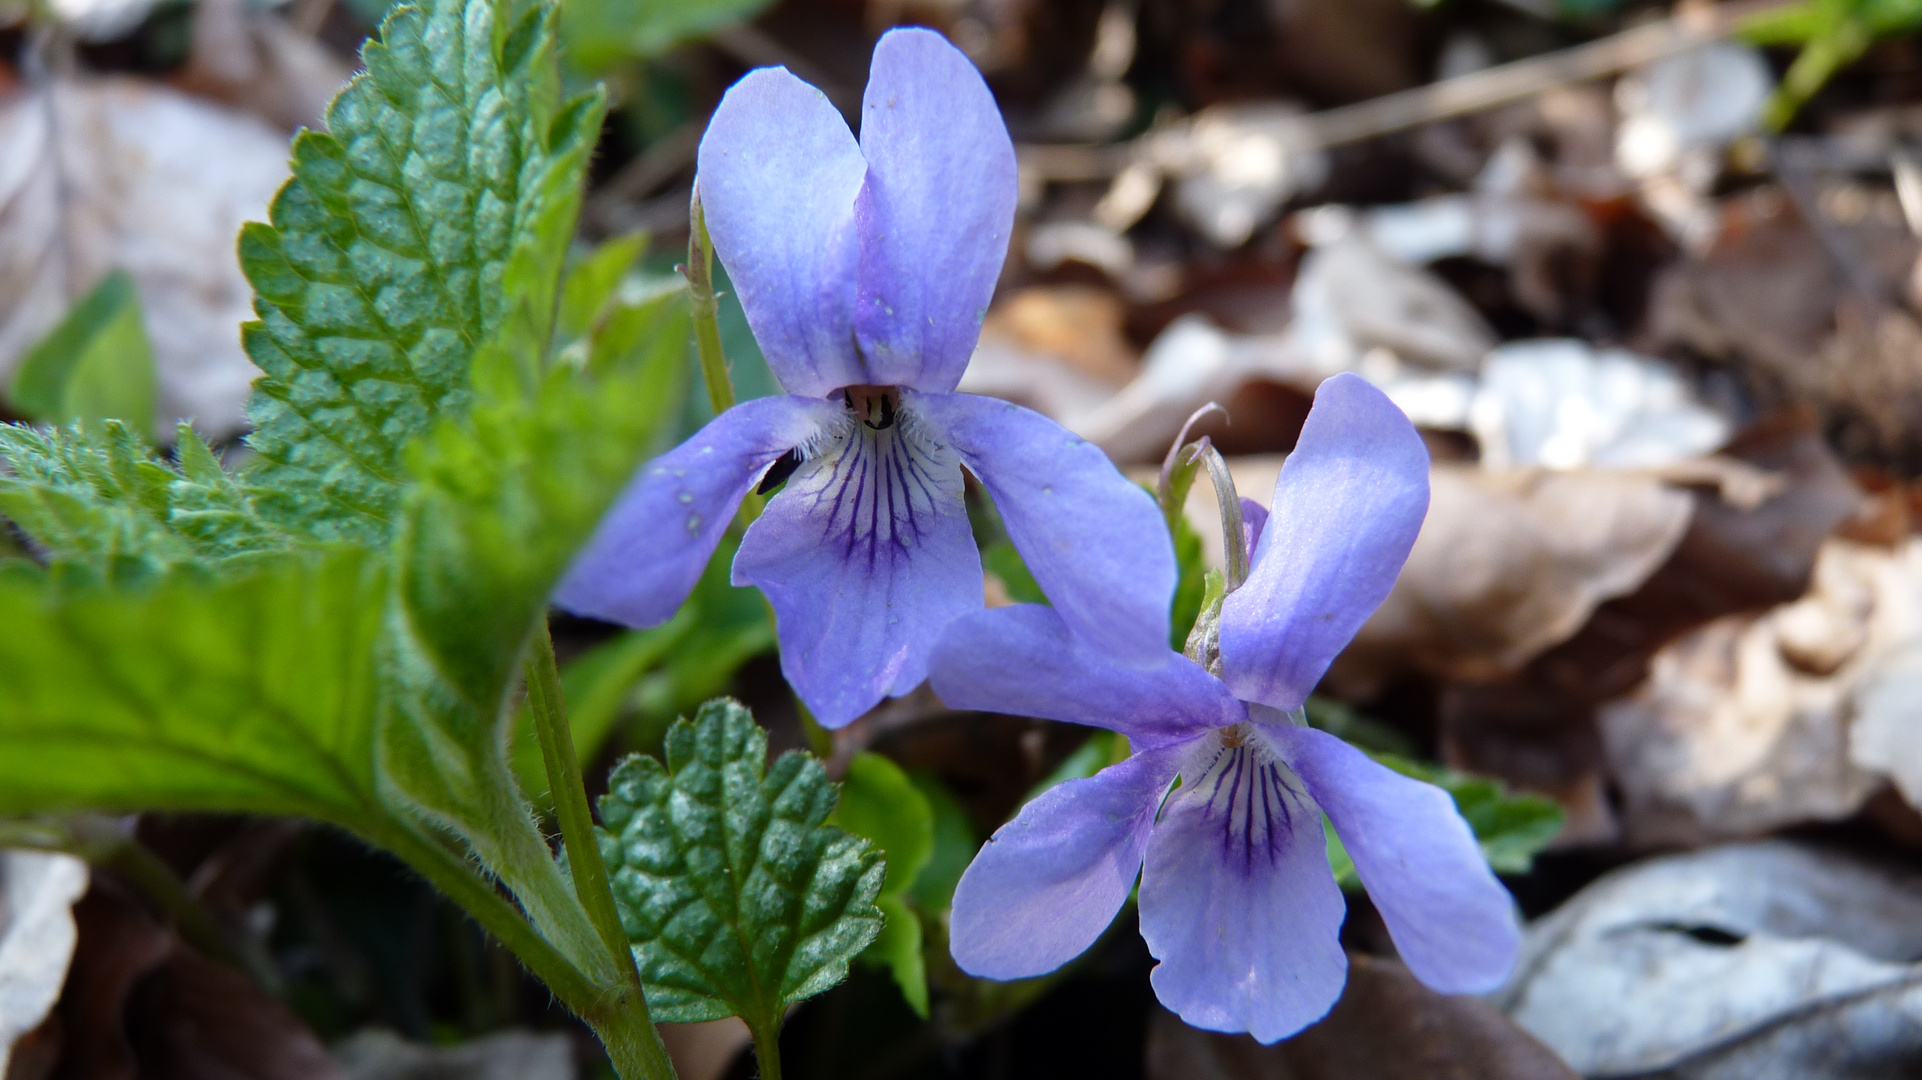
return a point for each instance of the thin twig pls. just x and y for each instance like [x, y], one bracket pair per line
[1447, 99]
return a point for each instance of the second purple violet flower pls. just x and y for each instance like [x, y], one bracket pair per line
[1219, 809]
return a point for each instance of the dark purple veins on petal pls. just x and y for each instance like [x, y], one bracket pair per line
[1254, 797]
[876, 485]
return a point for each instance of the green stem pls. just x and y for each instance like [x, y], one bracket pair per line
[707, 307]
[767, 1048]
[545, 701]
[617, 1014]
[633, 1043]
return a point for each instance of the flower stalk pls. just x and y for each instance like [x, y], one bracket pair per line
[707, 307]
[620, 1018]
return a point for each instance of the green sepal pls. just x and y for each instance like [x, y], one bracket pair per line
[737, 895]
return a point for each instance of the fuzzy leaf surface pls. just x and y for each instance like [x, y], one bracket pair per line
[98, 496]
[253, 694]
[737, 895]
[431, 216]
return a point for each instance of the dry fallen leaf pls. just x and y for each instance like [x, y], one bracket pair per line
[125, 173]
[1537, 729]
[257, 61]
[1562, 403]
[1509, 564]
[502, 1055]
[1745, 725]
[1770, 961]
[37, 891]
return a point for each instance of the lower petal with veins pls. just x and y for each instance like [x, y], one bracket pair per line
[866, 556]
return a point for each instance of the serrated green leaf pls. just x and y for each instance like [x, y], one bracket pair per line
[428, 222]
[589, 290]
[1512, 828]
[738, 897]
[252, 695]
[96, 365]
[503, 498]
[882, 805]
[97, 496]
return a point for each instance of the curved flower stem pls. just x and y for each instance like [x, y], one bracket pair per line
[570, 802]
[707, 307]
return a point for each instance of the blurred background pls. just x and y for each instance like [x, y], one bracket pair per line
[1646, 276]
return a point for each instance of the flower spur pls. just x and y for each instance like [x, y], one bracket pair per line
[865, 270]
[1237, 900]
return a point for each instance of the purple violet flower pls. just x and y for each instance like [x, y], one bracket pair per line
[865, 270]
[1237, 899]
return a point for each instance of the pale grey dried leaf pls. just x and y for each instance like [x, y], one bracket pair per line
[1768, 961]
[1756, 722]
[128, 173]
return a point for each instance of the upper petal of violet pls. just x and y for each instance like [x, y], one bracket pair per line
[1095, 542]
[936, 211]
[1023, 660]
[650, 549]
[1347, 507]
[1450, 919]
[779, 172]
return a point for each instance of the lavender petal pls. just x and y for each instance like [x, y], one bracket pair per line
[1023, 660]
[778, 173]
[1095, 542]
[1347, 506]
[1451, 920]
[1050, 881]
[650, 549]
[935, 214]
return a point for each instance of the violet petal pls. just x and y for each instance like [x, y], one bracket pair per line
[865, 555]
[1347, 506]
[1024, 660]
[1238, 902]
[1450, 919]
[779, 172]
[1050, 881]
[935, 214]
[1095, 542]
[650, 549]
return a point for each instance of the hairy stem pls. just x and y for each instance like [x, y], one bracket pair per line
[570, 802]
[707, 307]
[460, 882]
[618, 1014]
[767, 1048]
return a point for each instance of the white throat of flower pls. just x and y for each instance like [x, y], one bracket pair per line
[874, 476]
